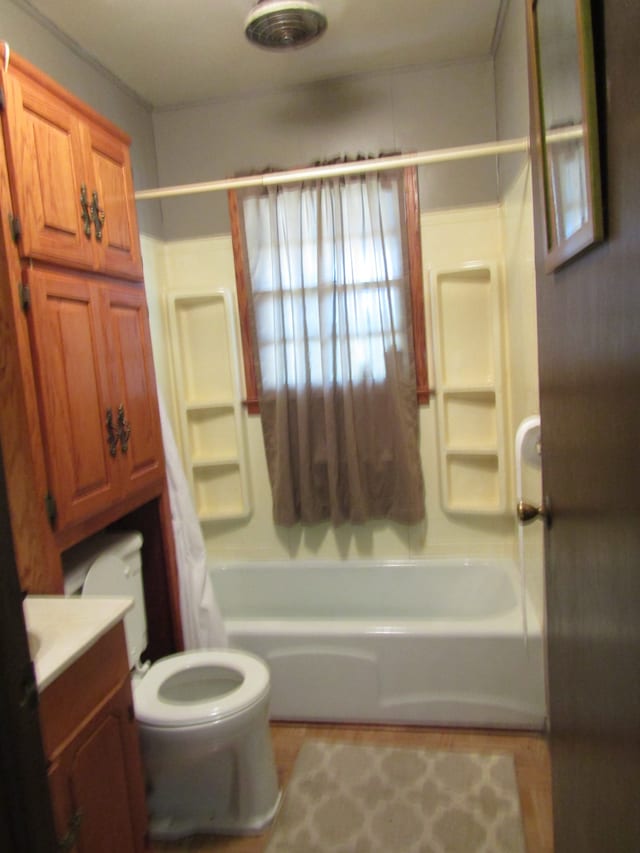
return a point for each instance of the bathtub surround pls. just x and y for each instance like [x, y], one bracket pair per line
[449, 238]
[465, 218]
[378, 799]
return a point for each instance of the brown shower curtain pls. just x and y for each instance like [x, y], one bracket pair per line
[330, 311]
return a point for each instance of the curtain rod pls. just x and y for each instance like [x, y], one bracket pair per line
[357, 167]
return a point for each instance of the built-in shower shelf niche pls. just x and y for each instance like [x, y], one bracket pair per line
[209, 398]
[467, 337]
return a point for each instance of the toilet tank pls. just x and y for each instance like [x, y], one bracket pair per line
[111, 564]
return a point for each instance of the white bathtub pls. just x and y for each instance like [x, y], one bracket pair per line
[423, 642]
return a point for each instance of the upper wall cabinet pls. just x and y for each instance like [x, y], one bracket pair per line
[97, 394]
[73, 200]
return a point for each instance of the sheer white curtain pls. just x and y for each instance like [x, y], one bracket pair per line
[331, 311]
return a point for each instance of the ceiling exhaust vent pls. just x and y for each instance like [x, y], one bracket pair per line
[290, 23]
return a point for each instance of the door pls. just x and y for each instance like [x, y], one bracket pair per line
[96, 783]
[96, 384]
[47, 169]
[589, 346]
[74, 394]
[133, 386]
[116, 232]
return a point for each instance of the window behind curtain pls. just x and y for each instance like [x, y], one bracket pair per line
[300, 279]
[411, 220]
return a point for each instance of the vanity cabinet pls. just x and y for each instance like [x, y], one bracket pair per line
[90, 739]
[97, 392]
[71, 179]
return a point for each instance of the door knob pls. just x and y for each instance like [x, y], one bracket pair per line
[529, 512]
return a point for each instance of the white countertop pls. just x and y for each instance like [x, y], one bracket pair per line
[61, 629]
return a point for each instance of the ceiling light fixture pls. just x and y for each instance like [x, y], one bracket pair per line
[284, 23]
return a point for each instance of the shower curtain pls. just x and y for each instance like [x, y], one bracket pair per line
[202, 624]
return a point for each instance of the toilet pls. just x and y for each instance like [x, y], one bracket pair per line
[202, 715]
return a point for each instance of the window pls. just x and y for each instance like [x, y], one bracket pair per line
[356, 265]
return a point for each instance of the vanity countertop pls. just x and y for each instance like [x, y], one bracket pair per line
[61, 629]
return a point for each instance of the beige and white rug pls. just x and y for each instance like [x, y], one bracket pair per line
[367, 799]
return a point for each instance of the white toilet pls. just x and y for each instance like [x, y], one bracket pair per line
[202, 715]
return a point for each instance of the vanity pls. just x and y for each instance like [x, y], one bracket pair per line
[88, 726]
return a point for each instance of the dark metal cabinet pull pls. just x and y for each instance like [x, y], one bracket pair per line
[70, 839]
[112, 434]
[124, 429]
[97, 215]
[84, 206]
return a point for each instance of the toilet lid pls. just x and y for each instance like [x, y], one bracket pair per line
[204, 686]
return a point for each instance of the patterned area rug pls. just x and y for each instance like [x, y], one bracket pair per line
[368, 799]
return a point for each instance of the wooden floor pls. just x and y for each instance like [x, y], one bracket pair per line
[530, 754]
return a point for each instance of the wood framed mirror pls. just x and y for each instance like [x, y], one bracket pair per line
[565, 126]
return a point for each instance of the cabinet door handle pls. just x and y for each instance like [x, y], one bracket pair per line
[84, 206]
[124, 429]
[68, 842]
[97, 215]
[112, 433]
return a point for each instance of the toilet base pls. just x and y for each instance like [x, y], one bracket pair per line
[172, 829]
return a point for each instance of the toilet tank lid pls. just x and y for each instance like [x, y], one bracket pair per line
[77, 561]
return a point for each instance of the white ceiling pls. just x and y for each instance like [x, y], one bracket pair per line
[181, 51]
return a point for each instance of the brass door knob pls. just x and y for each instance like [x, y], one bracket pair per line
[529, 512]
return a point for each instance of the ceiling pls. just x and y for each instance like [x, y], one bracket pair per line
[172, 52]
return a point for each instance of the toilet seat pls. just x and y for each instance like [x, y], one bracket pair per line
[155, 707]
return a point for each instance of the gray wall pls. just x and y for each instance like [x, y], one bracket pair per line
[408, 110]
[28, 37]
[512, 90]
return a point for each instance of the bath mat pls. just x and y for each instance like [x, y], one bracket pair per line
[345, 798]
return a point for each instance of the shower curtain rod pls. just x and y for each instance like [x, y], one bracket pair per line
[357, 167]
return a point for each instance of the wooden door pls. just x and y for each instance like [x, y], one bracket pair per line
[589, 349]
[116, 233]
[74, 393]
[47, 170]
[96, 783]
[133, 391]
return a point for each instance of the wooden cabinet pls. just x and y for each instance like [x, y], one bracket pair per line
[95, 378]
[79, 422]
[71, 179]
[91, 741]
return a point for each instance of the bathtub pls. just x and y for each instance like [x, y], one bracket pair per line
[411, 642]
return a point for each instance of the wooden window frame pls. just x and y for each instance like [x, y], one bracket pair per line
[416, 286]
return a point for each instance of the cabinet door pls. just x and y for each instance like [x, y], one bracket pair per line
[72, 379]
[46, 162]
[116, 234]
[96, 784]
[133, 386]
